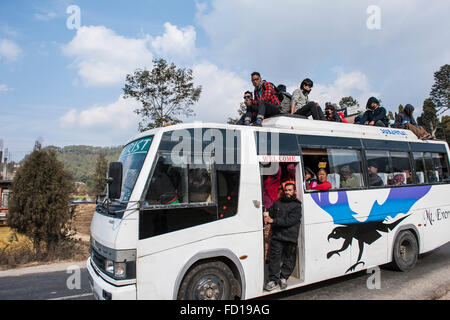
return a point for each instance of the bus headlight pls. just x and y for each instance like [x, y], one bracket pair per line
[116, 269]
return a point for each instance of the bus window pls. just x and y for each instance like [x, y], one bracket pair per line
[179, 183]
[440, 166]
[400, 169]
[346, 166]
[420, 167]
[378, 167]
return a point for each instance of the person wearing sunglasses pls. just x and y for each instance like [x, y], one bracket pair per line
[265, 100]
[244, 108]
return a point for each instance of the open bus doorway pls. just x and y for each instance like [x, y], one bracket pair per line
[275, 173]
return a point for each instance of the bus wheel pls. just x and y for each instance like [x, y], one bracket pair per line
[406, 251]
[208, 281]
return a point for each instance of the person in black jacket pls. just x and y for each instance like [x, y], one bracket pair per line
[405, 120]
[331, 113]
[374, 115]
[285, 217]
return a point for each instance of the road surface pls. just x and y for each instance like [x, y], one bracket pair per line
[430, 279]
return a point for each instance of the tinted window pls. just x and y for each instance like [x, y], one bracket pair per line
[400, 169]
[378, 167]
[345, 168]
[273, 143]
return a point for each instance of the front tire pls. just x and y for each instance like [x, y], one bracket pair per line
[406, 251]
[208, 281]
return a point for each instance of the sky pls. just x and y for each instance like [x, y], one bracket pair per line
[63, 63]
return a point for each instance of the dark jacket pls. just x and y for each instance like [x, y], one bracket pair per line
[375, 115]
[404, 117]
[286, 215]
[335, 117]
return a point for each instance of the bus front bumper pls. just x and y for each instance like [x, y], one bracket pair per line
[103, 290]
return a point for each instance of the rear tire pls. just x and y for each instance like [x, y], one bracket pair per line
[208, 281]
[406, 251]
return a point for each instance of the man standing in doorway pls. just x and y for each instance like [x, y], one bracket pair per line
[285, 217]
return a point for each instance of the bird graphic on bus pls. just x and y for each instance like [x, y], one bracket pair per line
[399, 201]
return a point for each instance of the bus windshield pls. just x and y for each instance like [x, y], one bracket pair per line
[132, 158]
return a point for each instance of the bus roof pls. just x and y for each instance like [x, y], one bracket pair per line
[293, 125]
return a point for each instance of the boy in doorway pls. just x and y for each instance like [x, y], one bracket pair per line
[284, 217]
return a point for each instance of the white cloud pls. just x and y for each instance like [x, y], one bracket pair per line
[355, 84]
[115, 121]
[103, 58]
[222, 91]
[9, 50]
[175, 42]
[4, 87]
[46, 16]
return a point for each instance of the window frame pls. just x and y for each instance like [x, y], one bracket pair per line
[149, 207]
[364, 173]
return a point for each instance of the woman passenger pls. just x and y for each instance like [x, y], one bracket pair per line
[322, 184]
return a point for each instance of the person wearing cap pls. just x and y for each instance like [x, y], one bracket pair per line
[375, 115]
[301, 104]
[374, 178]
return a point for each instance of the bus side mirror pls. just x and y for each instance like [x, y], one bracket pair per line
[114, 180]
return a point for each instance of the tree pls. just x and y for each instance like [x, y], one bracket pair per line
[39, 203]
[99, 178]
[445, 125]
[428, 118]
[242, 110]
[440, 91]
[348, 102]
[165, 93]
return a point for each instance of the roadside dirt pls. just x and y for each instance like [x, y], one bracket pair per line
[82, 220]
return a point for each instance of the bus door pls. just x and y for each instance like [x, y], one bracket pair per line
[276, 172]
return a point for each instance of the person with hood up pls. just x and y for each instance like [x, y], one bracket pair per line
[405, 120]
[374, 115]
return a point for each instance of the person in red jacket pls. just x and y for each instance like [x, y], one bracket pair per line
[265, 100]
[322, 184]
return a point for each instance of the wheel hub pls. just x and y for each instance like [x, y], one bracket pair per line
[208, 288]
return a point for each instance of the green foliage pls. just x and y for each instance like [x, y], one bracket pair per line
[440, 91]
[39, 203]
[165, 93]
[428, 118]
[80, 161]
[99, 178]
[348, 102]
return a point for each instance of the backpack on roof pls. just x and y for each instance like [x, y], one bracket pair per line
[284, 97]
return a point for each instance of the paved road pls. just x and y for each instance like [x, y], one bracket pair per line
[431, 274]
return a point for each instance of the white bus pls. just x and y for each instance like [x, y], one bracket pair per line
[184, 215]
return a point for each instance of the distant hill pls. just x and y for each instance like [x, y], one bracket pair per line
[80, 160]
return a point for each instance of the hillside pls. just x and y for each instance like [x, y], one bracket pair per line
[80, 160]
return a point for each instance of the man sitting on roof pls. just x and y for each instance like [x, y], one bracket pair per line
[265, 100]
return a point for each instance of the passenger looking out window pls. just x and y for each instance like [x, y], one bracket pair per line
[348, 178]
[374, 179]
[322, 183]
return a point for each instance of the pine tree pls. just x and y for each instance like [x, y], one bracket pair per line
[428, 118]
[440, 91]
[39, 203]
